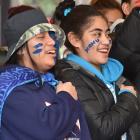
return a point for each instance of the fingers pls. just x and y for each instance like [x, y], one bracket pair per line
[68, 87]
[130, 88]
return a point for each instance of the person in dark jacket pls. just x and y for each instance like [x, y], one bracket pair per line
[33, 105]
[127, 6]
[126, 46]
[110, 9]
[111, 112]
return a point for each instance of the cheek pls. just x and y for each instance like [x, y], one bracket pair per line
[91, 44]
[37, 49]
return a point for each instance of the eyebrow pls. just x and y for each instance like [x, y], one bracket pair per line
[41, 34]
[100, 30]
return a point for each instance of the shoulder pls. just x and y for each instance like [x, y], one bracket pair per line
[62, 66]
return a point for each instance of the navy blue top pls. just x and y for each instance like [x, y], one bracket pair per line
[35, 112]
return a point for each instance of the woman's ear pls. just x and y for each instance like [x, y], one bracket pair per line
[74, 40]
[126, 8]
[20, 51]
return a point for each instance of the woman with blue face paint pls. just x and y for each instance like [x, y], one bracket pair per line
[111, 112]
[33, 105]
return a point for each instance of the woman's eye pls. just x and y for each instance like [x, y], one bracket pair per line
[97, 34]
[40, 37]
[108, 34]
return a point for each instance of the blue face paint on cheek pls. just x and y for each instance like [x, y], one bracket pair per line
[38, 51]
[38, 48]
[57, 46]
[92, 44]
[52, 34]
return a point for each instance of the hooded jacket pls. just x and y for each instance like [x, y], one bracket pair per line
[30, 109]
[126, 47]
[109, 113]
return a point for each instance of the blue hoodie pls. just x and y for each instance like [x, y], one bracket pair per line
[109, 74]
[30, 109]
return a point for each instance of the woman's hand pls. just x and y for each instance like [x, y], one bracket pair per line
[68, 87]
[130, 88]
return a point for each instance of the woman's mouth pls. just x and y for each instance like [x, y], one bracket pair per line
[103, 50]
[51, 52]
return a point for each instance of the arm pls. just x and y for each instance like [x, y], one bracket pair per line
[26, 111]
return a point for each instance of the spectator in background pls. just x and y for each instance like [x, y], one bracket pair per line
[33, 105]
[126, 46]
[111, 112]
[111, 9]
[127, 6]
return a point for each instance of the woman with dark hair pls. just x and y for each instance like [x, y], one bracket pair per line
[111, 112]
[33, 104]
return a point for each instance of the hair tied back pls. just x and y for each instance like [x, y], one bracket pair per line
[67, 10]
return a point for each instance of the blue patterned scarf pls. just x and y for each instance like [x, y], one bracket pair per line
[14, 76]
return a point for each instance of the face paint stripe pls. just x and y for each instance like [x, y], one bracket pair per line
[37, 51]
[38, 45]
[92, 44]
[38, 48]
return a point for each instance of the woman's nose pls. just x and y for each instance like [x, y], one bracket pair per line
[49, 40]
[106, 39]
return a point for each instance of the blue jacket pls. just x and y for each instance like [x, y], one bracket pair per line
[33, 111]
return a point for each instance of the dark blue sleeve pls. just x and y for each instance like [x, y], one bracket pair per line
[63, 113]
[31, 114]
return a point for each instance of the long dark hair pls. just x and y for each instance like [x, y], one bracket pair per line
[15, 57]
[75, 20]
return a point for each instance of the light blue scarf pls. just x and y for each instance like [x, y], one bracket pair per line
[111, 71]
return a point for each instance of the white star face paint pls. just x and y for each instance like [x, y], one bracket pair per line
[93, 43]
